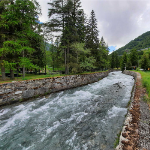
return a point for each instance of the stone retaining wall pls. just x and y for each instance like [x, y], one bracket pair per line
[23, 90]
[126, 140]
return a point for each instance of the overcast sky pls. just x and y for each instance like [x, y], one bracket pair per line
[119, 21]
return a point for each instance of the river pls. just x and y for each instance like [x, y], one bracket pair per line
[83, 118]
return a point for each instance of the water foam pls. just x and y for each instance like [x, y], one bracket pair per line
[115, 111]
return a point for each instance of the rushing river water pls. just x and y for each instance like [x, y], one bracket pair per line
[84, 118]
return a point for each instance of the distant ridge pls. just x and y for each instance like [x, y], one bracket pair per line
[139, 43]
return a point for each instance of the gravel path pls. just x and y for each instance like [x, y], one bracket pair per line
[144, 127]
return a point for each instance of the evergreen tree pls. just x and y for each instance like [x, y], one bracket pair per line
[80, 62]
[56, 16]
[124, 61]
[117, 63]
[78, 21]
[134, 57]
[102, 58]
[91, 38]
[21, 24]
[113, 60]
[129, 63]
[145, 61]
[3, 32]
[102, 42]
[68, 17]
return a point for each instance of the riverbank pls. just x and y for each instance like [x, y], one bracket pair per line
[135, 133]
[18, 91]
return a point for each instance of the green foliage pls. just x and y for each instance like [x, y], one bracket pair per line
[115, 60]
[68, 17]
[145, 61]
[141, 42]
[134, 57]
[129, 102]
[146, 80]
[80, 60]
[146, 99]
[124, 61]
[22, 43]
[129, 63]
[91, 39]
[102, 60]
[117, 139]
[88, 64]
[27, 63]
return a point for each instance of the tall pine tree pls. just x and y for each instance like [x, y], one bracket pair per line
[20, 22]
[91, 39]
[68, 17]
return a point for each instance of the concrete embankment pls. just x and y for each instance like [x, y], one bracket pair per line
[23, 90]
[130, 134]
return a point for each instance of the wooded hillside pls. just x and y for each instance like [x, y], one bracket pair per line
[141, 42]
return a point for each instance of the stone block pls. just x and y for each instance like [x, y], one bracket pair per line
[8, 90]
[2, 91]
[18, 92]
[28, 94]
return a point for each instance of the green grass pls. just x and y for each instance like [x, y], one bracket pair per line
[117, 140]
[30, 77]
[33, 76]
[146, 80]
[146, 83]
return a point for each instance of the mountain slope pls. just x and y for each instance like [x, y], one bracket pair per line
[141, 42]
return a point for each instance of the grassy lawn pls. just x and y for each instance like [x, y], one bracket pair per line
[49, 71]
[30, 76]
[146, 83]
[33, 76]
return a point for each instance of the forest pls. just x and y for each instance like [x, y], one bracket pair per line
[68, 42]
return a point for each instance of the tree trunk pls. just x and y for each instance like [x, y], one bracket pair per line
[35, 71]
[68, 60]
[23, 71]
[53, 68]
[65, 62]
[3, 73]
[23, 67]
[53, 63]
[12, 74]
[45, 69]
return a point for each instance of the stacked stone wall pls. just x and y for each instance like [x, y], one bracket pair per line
[23, 90]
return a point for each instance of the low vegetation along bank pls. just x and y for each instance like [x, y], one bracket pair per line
[146, 84]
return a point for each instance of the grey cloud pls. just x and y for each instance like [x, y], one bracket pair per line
[119, 21]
